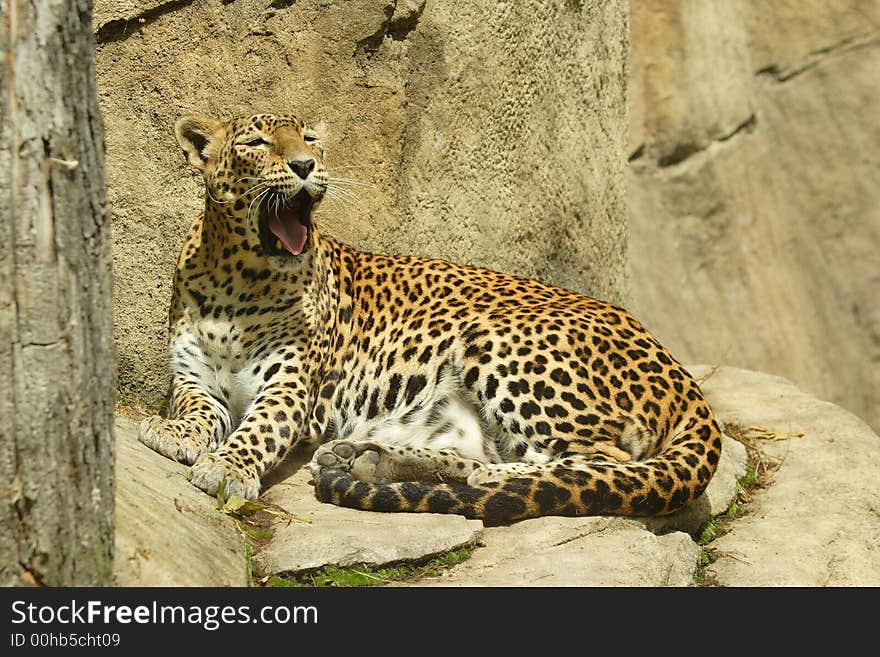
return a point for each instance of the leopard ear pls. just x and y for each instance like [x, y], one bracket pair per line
[199, 137]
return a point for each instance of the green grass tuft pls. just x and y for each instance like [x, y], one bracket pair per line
[709, 532]
[750, 478]
[733, 511]
[249, 559]
[704, 559]
[703, 576]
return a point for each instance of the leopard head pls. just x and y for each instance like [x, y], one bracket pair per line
[264, 175]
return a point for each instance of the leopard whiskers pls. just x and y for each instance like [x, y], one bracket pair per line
[346, 197]
[263, 184]
[354, 182]
[257, 198]
[343, 192]
[341, 201]
[279, 202]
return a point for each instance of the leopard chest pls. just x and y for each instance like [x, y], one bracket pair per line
[233, 358]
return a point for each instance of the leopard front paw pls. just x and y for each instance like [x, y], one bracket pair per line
[212, 468]
[175, 439]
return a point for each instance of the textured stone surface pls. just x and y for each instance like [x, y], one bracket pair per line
[818, 524]
[754, 201]
[344, 537]
[168, 533]
[132, 11]
[493, 132]
[576, 552]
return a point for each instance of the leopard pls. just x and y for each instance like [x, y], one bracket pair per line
[414, 384]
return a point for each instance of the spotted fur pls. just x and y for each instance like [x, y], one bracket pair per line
[422, 385]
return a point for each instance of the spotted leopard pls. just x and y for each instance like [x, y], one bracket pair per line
[421, 385]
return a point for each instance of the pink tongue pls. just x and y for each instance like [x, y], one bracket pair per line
[291, 232]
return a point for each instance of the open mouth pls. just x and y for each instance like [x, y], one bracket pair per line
[284, 223]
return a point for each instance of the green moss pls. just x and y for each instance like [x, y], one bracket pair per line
[356, 576]
[362, 575]
[280, 582]
[448, 560]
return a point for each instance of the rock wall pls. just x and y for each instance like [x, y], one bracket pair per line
[754, 188]
[489, 132]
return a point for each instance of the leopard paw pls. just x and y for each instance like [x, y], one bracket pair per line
[362, 460]
[175, 439]
[375, 463]
[212, 468]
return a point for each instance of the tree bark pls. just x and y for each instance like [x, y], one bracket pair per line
[57, 360]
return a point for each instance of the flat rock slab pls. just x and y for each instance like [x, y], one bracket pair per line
[344, 537]
[818, 523]
[168, 533]
[594, 551]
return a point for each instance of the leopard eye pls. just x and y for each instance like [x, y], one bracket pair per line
[256, 141]
[310, 138]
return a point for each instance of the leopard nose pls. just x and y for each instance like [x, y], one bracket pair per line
[302, 166]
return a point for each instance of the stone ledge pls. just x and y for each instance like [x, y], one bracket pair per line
[817, 524]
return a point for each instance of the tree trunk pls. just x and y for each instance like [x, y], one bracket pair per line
[57, 360]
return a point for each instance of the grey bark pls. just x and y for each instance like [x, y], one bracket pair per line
[57, 360]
